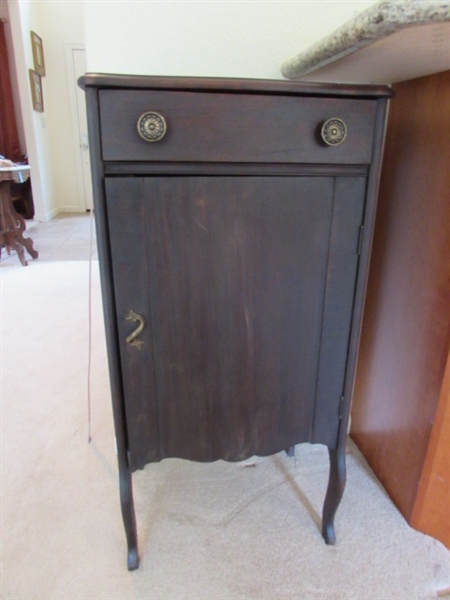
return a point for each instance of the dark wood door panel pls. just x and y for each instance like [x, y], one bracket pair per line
[240, 281]
[127, 229]
[349, 194]
[237, 272]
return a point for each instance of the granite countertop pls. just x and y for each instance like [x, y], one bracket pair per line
[400, 23]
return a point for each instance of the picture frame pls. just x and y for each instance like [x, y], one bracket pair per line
[38, 54]
[36, 91]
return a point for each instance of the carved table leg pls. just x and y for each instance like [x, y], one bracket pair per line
[10, 243]
[128, 516]
[26, 242]
[336, 485]
[12, 226]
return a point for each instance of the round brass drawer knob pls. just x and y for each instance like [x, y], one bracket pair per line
[334, 132]
[151, 126]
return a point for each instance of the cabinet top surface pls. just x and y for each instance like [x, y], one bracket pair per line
[256, 86]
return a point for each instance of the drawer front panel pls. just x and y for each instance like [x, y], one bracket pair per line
[206, 127]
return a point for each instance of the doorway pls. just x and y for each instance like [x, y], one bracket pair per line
[76, 67]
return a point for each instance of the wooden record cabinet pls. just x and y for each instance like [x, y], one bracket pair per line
[234, 222]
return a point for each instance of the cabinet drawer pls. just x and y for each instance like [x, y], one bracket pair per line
[221, 127]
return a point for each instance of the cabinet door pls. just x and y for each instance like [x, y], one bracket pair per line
[242, 282]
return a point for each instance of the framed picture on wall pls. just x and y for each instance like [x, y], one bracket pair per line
[36, 91]
[38, 54]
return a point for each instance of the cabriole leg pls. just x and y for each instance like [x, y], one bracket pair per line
[336, 485]
[290, 451]
[128, 516]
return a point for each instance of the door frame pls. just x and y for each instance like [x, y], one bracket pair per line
[70, 47]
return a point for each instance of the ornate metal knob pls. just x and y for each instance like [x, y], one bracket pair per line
[151, 126]
[334, 132]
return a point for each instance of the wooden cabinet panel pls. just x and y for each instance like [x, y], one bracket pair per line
[232, 276]
[406, 332]
[127, 227]
[338, 306]
[432, 505]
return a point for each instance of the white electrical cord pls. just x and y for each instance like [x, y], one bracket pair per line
[90, 327]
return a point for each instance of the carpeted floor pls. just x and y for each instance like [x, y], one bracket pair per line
[215, 532]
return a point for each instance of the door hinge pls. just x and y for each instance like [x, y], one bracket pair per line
[341, 406]
[360, 239]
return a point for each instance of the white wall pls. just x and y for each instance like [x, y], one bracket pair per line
[61, 24]
[222, 38]
[49, 135]
[24, 18]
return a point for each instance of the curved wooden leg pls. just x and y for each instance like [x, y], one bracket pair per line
[336, 485]
[128, 516]
[290, 451]
[20, 252]
[26, 242]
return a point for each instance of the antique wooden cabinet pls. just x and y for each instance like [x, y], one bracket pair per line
[234, 222]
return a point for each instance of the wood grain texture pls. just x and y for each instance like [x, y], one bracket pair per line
[235, 245]
[109, 310]
[230, 275]
[338, 308]
[406, 331]
[238, 295]
[127, 230]
[272, 169]
[432, 506]
[230, 128]
[101, 81]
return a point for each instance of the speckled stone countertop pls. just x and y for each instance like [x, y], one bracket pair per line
[373, 24]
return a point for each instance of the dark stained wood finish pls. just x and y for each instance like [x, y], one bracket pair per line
[234, 283]
[100, 81]
[406, 333]
[127, 221]
[243, 268]
[335, 490]
[345, 234]
[244, 128]
[238, 340]
[266, 169]
[112, 338]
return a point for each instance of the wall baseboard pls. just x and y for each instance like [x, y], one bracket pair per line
[47, 215]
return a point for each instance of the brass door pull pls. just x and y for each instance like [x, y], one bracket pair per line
[132, 338]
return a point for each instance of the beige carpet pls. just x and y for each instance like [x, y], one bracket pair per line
[215, 532]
